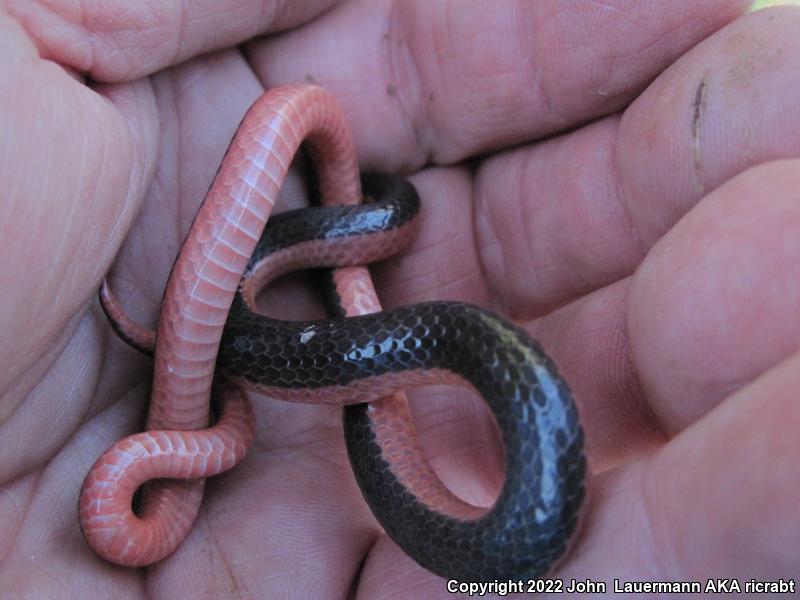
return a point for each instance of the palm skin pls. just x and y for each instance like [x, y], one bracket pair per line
[645, 233]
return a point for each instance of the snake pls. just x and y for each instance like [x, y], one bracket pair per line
[361, 357]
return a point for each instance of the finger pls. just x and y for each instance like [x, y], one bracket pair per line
[575, 213]
[122, 40]
[68, 198]
[720, 500]
[714, 305]
[711, 308]
[437, 81]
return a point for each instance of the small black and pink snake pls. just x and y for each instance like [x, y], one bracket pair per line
[356, 359]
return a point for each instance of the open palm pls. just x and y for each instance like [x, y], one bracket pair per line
[571, 179]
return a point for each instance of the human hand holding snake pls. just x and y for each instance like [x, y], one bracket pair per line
[612, 334]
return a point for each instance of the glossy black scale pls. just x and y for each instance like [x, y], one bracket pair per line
[529, 527]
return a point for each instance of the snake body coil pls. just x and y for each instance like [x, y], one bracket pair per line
[363, 358]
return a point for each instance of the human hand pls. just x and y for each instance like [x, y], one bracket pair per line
[638, 248]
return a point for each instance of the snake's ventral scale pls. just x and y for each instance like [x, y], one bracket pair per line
[360, 358]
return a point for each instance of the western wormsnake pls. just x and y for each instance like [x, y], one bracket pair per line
[360, 361]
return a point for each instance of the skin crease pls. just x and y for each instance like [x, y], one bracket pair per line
[646, 235]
